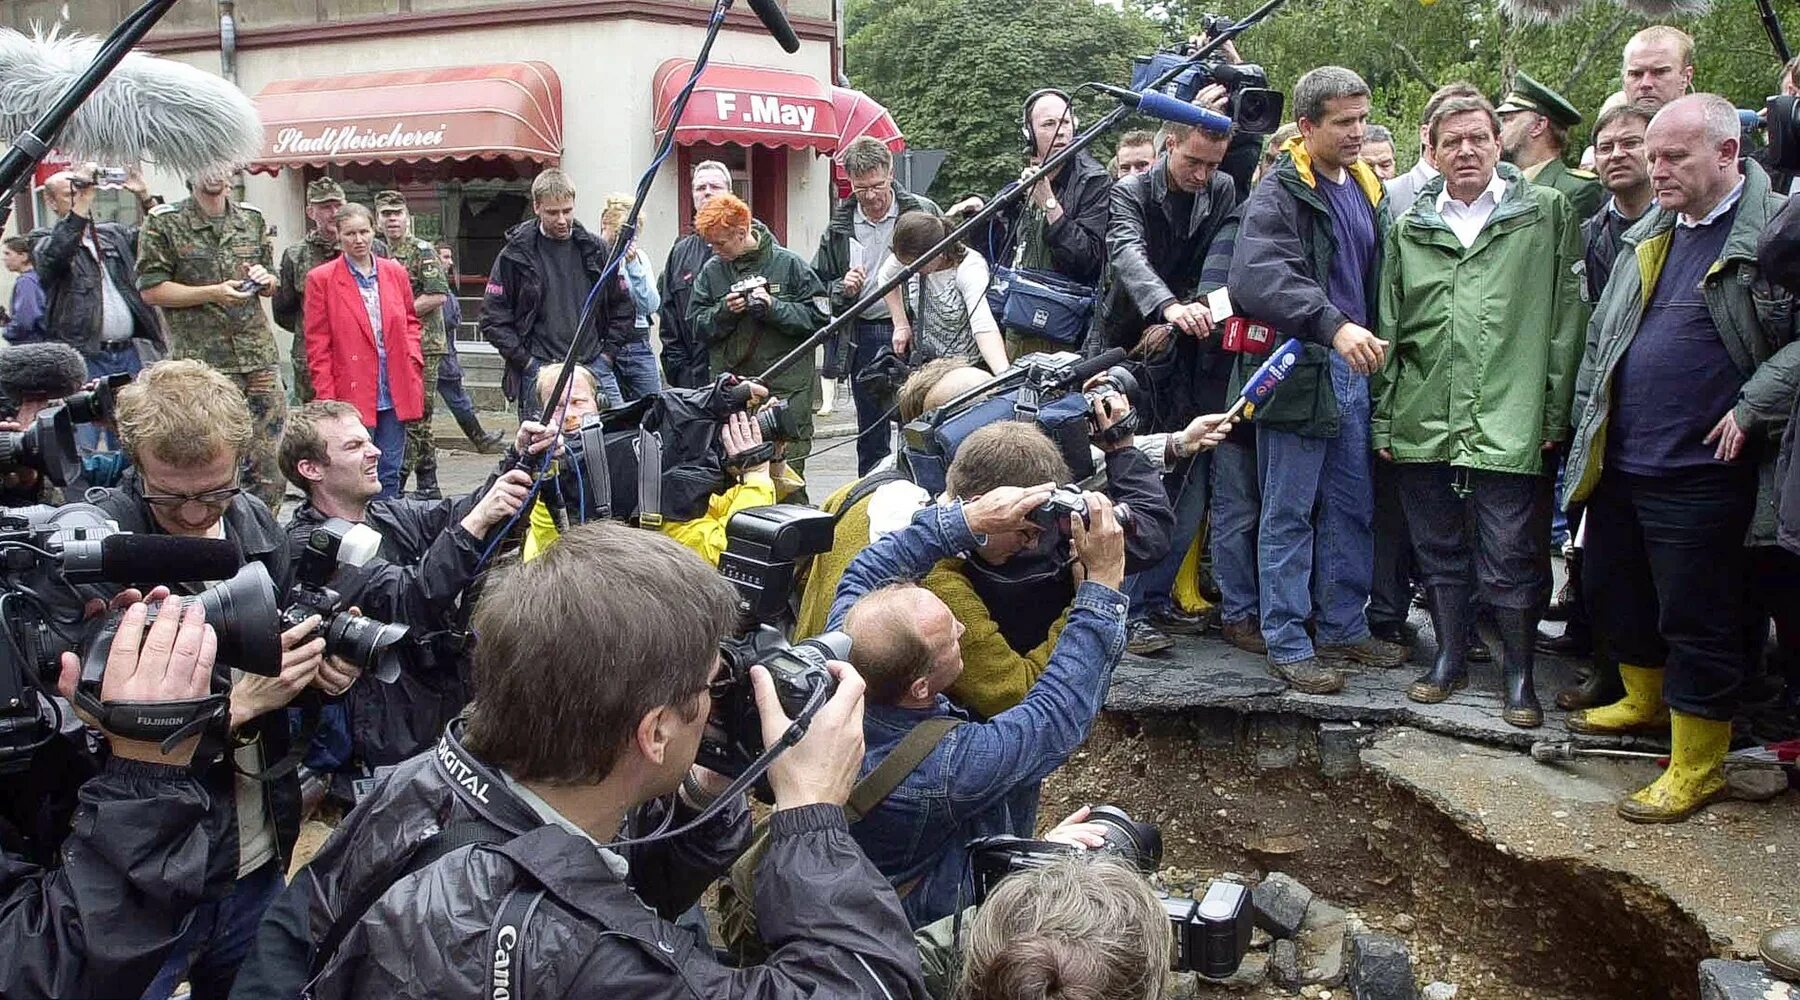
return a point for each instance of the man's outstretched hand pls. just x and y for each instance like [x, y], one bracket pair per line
[170, 659]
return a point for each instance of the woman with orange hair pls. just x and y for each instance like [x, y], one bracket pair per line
[754, 302]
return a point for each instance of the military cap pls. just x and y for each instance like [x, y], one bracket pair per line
[1529, 95]
[389, 199]
[324, 189]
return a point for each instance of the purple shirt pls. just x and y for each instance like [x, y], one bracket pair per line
[1353, 228]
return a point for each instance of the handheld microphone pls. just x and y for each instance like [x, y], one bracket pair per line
[1261, 384]
[183, 117]
[1162, 107]
[774, 19]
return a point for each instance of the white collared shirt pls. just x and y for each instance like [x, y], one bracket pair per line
[1466, 221]
[548, 813]
[1688, 222]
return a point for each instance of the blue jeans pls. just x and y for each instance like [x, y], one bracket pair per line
[871, 445]
[450, 386]
[1188, 488]
[218, 938]
[1327, 561]
[389, 434]
[1236, 509]
[634, 371]
[120, 360]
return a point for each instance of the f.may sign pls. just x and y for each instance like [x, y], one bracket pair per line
[337, 139]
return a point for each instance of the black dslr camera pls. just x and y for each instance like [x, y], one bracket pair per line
[1783, 132]
[1068, 503]
[47, 445]
[1254, 108]
[763, 548]
[371, 645]
[1211, 933]
[96, 404]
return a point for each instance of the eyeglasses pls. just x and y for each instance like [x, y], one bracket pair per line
[210, 498]
[1621, 146]
[871, 188]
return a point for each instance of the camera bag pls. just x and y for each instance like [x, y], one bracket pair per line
[737, 893]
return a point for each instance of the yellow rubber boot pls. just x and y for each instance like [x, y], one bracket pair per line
[1640, 711]
[1696, 774]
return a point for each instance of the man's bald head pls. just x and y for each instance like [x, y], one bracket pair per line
[900, 635]
[1692, 145]
[59, 192]
[935, 383]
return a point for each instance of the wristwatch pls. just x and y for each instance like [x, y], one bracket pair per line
[1051, 206]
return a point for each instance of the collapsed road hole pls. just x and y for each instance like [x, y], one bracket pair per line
[1250, 795]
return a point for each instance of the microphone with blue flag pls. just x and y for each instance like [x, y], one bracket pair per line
[1260, 386]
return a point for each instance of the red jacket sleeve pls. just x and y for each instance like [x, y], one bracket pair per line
[319, 355]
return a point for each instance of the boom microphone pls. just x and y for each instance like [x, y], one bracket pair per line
[1544, 11]
[178, 116]
[1162, 107]
[775, 19]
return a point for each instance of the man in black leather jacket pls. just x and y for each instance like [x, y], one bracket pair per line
[1170, 241]
[565, 753]
[431, 554]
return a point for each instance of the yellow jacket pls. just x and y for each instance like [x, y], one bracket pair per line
[706, 534]
[994, 677]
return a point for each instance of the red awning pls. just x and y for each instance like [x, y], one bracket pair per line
[503, 110]
[747, 105]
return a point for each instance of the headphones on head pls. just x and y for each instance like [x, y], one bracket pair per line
[1025, 131]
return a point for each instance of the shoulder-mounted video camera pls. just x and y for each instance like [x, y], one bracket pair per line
[1211, 933]
[1254, 108]
[1044, 388]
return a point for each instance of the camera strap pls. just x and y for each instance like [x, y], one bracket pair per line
[649, 479]
[165, 723]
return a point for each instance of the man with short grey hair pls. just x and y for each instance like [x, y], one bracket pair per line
[1687, 384]
[1378, 152]
[1307, 262]
[851, 251]
[1480, 296]
[684, 353]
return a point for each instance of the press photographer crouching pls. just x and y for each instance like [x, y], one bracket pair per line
[593, 692]
[422, 561]
[188, 431]
[104, 844]
[969, 779]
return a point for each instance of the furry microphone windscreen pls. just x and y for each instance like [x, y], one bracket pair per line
[40, 371]
[177, 116]
[1542, 11]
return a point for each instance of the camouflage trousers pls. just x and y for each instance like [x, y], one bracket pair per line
[268, 416]
[421, 444]
[303, 387]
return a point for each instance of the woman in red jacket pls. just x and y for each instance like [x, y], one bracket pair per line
[362, 339]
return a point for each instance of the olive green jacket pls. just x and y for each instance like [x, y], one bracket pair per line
[1755, 320]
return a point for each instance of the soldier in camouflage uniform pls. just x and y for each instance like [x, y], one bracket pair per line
[194, 257]
[323, 198]
[430, 290]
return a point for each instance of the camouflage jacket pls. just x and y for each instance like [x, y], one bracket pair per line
[180, 243]
[420, 259]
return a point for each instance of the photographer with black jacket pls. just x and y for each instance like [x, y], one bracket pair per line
[430, 555]
[565, 752]
[126, 821]
[188, 431]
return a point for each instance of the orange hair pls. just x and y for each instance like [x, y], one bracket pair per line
[725, 214]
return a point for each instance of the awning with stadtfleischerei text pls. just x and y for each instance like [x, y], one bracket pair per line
[500, 110]
[747, 105]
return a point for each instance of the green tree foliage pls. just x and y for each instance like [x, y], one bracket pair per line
[956, 72]
[1406, 49]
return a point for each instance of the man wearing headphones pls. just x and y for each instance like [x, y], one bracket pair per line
[1060, 224]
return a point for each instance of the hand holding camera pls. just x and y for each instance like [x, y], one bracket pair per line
[822, 767]
[169, 661]
[751, 295]
[1099, 543]
[742, 437]
[302, 656]
[1007, 508]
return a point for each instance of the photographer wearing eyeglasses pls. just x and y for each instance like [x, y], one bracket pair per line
[103, 848]
[188, 431]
